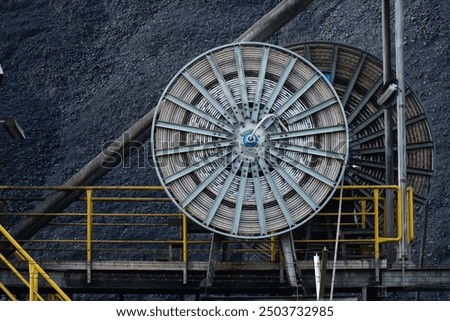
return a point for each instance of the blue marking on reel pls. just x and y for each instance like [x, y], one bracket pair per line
[249, 140]
[327, 75]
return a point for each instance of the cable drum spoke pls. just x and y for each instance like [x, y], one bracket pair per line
[308, 170]
[191, 129]
[198, 112]
[186, 170]
[250, 140]
[240, 198]
[225, 88]
[259, 197]
[278, 88]
[260, 85]
[192, 148]
[310, 150]
[307, 132]
[222, 193]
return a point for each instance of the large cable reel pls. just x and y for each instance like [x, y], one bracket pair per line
[250, 140]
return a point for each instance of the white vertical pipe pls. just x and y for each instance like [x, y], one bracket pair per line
[317, 274]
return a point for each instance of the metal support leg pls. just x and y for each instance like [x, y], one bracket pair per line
[215, 255]
[323, 273]
[290, 259]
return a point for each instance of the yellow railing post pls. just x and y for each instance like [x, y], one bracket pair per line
[185, 238]
[410, 213]
[89, 210]
[33, 282]
[376, 194]
[399, 214]
[185, 246]
[363, 215]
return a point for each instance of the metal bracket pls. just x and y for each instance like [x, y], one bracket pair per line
[387, 93]
[290, 260]
[215, 255]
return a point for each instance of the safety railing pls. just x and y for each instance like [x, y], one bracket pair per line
[373, 207]
[35, 271]
[88, 218]
[114, 231]
[90, 215]
[102, 226]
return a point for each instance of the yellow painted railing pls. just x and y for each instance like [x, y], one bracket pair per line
[379, 234]
[34, 272]
[92, 219]
[410, 213]
[90, 196]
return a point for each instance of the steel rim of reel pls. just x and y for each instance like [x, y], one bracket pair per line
[221, 149]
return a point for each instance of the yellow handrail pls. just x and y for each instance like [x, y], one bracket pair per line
[21, 278]
[8, 293]
[34, 269]
[366, 213]
[377, 239]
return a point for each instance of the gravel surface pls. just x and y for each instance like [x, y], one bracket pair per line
[78, 73]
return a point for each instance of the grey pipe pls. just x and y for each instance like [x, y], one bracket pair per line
[273, 21]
